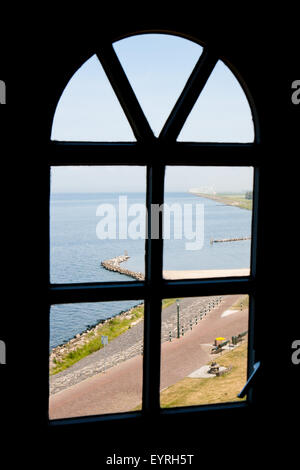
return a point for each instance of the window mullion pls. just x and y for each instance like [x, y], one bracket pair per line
[124, 92]
[133, 153]
[96, 292]
[189, 95]
[204, 287]
[152, 318]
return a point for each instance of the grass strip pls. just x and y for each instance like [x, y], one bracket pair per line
[237, 200]
[112, 328]
[201, 391]
[241, 303]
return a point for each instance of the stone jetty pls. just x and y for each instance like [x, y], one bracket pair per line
[221, 240]
[114, 265]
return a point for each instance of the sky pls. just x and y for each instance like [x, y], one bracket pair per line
[157, 67]
[133, 179]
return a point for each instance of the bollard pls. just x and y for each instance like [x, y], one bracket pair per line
[191, 324]
[196, 320]
[170, 336]
[182, 331]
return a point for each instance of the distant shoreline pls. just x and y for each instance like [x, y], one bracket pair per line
[230, 200]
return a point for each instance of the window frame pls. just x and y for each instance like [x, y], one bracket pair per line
[155, 153]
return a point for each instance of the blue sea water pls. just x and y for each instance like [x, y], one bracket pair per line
[76, 251]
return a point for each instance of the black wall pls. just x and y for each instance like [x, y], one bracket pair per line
[36, 66]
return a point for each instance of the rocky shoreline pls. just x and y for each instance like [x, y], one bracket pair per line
[81, 339]
[59, 352]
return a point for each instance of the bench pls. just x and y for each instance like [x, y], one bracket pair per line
[219, 348]
[236, 339]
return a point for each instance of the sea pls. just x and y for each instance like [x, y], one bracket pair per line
[87, 228]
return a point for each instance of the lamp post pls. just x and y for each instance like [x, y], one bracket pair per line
[178, 331]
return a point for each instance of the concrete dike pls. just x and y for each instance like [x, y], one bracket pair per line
[114, 265]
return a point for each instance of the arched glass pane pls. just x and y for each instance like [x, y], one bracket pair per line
[157, 67]
[221, 113]
[88, 109]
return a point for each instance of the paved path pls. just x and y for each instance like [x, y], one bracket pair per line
[120, 388]
[206, 273]
[130, 343]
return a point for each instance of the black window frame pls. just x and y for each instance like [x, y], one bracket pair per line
[155, 153]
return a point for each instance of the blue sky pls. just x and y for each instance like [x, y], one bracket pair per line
[157, 67]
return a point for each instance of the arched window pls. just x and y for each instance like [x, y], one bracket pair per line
[161, 122]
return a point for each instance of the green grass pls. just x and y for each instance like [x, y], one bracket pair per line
[113, 328]
[167, 302]
[237, 199]
[199, 391]
[242, 302]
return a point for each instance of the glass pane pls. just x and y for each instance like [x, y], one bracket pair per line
[95, 362]
[157, 66]
[97, 214]
[88, 109]
[207, 222]
[204, 350]
[221, 113]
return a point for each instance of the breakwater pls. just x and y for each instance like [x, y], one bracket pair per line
[114, 265]
[221, 240]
